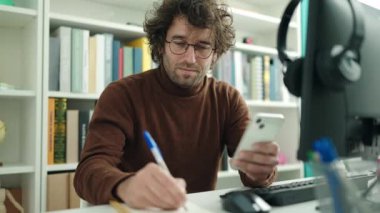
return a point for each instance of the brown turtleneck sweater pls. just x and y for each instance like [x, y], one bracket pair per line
[191, 127]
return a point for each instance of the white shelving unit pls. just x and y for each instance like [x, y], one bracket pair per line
[20, 107]
[255, 18]
[62, 167]
[12, 169]
[79, 96]
[17, 93]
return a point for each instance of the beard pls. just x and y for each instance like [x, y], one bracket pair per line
[186, 75]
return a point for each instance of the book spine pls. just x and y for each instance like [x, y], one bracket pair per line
[51, 134]
[72, 128]
[60, 130]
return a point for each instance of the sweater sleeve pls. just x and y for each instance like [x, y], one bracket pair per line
[236, 124]
[99, 170]
[250, 183]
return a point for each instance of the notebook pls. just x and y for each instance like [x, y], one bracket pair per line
[190, 208]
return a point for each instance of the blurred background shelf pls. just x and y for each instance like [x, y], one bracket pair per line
[16, 16]
[15, 168]
[62, 167]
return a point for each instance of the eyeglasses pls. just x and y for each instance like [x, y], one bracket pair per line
[179, 47]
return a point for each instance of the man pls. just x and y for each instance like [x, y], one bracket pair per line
[190, 116]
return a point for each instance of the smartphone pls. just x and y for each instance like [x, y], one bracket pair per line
[263, 127]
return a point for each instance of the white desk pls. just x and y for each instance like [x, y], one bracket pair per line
[210, 201]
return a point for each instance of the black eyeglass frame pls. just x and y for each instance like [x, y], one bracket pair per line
[195, 46]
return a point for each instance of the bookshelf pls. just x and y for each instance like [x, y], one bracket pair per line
[20, 102]
[112, 16]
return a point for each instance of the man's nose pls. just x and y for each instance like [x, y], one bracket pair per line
[190, 54]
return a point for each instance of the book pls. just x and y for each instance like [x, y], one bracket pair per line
[92, 64]
[57, 191]
[121, 63]
[100, 63]
[257, 87]
[74, 200]
[53, 64]
[60, 130]
[64, 35]
[238, 67]
[128, 61]
[85, 61]
[137, 60]
[77, 60]
[124, 208]
[72, 129]
[146, 59]
[115, 59]
[108, 58]
[275, 92]
[51, 134]
[84, 119]
[266, 77]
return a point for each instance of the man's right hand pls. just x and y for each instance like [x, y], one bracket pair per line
[152, 186]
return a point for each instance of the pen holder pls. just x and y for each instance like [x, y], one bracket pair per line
[335, 192]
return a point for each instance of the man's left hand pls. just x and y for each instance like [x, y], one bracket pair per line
[259, 162]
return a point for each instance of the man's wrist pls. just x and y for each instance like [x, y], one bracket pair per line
[115, 190]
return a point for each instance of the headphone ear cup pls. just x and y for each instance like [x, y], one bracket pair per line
[336, 70]
[293, 77]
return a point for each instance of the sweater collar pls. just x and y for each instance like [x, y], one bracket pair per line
[171, 88]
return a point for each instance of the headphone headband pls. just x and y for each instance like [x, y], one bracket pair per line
[283, 30]
[357, 36]
[354, 42]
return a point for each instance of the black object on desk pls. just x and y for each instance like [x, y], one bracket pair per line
[287, 194]
[296, 192]
[237, 201]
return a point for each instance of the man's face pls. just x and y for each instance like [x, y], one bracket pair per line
[187, 69]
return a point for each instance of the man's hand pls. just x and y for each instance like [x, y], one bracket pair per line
[153, 187]
[258, 163]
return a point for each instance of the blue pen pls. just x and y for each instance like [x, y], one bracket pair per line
[155, 150]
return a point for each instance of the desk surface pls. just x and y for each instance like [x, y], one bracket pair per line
[210, 201]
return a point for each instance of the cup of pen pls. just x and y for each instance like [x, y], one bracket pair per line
[334, 191]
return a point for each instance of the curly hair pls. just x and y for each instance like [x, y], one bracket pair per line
[199, 13]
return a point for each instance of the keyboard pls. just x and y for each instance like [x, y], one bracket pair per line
[298, 191]
[286, 194]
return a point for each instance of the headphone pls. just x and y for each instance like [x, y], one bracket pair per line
[335, 67]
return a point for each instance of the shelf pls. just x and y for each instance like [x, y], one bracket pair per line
[13, 168]
[271, 103]
[68, 95]
[15, 16]
[251, 17]
[138, 5]
[258, 24]
[17, 93]
[251, 48]
[62, 167]
[121, 31]
[267, 7]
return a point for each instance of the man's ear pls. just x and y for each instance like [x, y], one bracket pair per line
[161, 50]
[213, 60]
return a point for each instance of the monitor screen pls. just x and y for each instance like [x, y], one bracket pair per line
[339, 114]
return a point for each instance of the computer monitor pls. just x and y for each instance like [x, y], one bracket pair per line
[347, 116]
